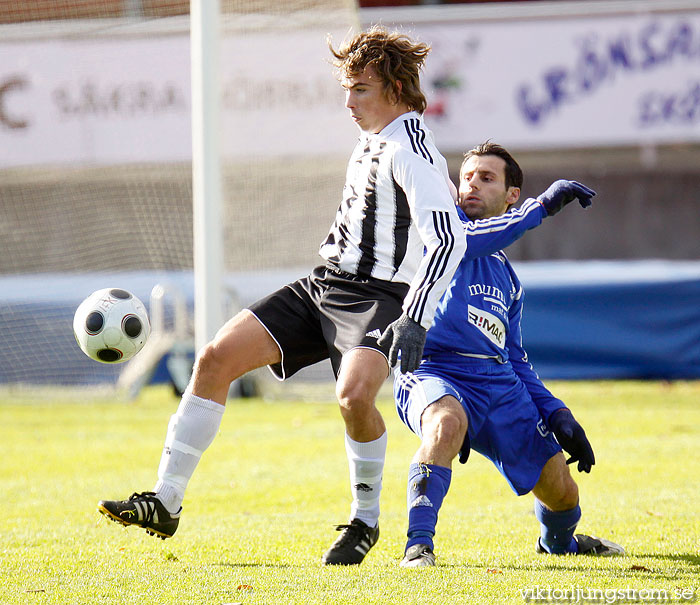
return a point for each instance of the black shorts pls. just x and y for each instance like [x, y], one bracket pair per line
[325, 315]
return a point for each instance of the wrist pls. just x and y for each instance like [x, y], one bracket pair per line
[558, 415]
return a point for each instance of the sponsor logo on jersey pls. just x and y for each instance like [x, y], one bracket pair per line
[486, 290]
[489, 325]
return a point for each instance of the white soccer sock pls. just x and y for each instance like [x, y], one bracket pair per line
[366, 461]
[191, 430]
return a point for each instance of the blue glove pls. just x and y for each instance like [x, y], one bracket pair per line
[407, 336]
[572, 438]
[561, 192]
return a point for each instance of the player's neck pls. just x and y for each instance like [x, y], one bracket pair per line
[397, 111]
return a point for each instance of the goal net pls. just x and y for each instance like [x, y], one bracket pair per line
[95, 162]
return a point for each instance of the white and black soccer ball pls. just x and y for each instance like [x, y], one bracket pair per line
[111, 325]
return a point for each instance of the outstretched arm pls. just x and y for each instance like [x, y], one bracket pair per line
[486, 236]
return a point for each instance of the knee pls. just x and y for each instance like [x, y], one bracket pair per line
[567, 496]
[353, 396]
[451, 428]
[444, 428]
[210, 362]
[556, 488]
[206, 361]
[570, 495]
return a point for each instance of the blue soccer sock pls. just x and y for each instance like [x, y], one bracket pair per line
[427, 486]
[557, 528]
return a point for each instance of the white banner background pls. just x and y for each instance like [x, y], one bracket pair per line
[89, 101]
[557, 82]
[563, 83]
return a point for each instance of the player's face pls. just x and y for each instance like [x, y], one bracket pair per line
[369, 106]
[482, 187]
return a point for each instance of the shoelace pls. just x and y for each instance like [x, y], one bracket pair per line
[149, 505]
[349, 532]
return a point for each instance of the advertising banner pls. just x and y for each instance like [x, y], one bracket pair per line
[129, 100]
[614, 80]
[534, 83]
[91, 101]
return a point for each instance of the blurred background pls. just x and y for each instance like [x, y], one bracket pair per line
[96, 165]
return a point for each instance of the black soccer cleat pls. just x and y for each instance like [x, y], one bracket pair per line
[144, 510]
[591, 546]
[352, 545]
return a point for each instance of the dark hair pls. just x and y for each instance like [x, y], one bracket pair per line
[514, 174]
[395, 58]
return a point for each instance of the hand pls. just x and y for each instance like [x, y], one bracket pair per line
[407, 336]
[572, 438]
[561, 192]
[465, 449]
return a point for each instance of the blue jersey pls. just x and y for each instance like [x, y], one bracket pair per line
[480, 313]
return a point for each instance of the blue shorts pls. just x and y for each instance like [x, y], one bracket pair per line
[505, 425]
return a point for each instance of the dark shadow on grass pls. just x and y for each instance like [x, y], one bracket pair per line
[522, 567]
[687, 557]
[277, 565]
[632, 567]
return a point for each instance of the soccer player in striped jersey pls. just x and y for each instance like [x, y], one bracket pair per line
[475, 388]
[396, 241]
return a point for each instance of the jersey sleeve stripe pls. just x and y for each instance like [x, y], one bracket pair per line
[436, 265]
[407, 126]
[499, 224]
[416, 136]
[420, 139]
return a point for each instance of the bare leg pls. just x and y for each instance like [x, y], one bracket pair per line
[556, 488]
[361, 375]
[444, 425]
[556, 507]
[241, 345]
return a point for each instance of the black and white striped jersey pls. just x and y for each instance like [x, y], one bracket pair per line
[398, 221]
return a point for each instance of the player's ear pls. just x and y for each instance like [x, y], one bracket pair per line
[395, 95]
[512, 196]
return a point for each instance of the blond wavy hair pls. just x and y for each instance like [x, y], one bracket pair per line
[394, 56]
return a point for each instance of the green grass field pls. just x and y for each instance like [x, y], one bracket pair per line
[261, 509]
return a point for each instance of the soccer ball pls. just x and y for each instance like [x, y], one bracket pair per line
[111, 325]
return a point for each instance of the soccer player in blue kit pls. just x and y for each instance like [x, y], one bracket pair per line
[475, 388]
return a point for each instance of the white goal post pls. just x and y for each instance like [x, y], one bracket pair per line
[206, 169]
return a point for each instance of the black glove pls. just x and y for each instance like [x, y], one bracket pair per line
[407, 336]
[561, 192]
[465, 449]
[572, 438]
